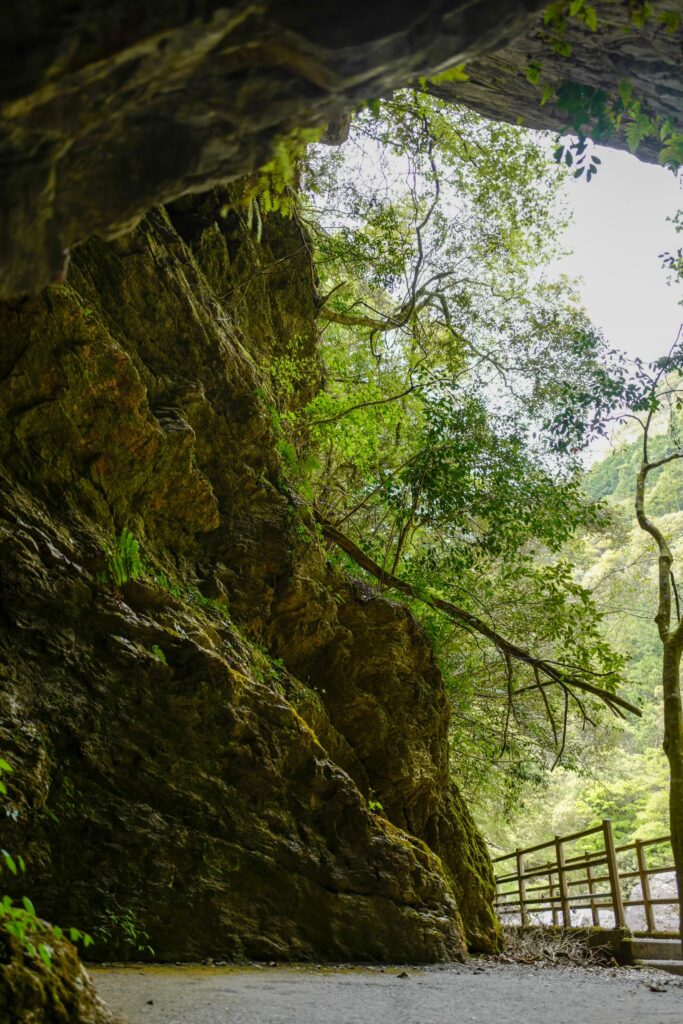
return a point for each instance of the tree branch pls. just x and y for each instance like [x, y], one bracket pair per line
[663, 616]
[466, 620]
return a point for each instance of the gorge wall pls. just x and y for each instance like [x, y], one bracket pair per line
[647, 55]
[194, 750]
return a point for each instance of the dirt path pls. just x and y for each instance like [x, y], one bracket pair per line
[483, 992]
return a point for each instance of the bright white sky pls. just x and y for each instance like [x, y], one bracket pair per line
[619, 230]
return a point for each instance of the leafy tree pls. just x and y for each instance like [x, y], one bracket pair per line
[636, 393]
[447, 348]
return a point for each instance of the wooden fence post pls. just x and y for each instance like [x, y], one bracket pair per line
[613, 872]
[645, 886]
[553, 905]
[562, 879]
[591, 889]
[521, 880]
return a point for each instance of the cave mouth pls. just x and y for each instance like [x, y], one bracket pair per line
[289, 432]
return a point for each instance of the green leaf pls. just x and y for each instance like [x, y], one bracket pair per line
[455, 74]
[625, 90]
[548, 94]
[636, 132]
[45, 953]
[533, 73]
[10, 863]
[591, 18]
[672, 20]
[562, 47]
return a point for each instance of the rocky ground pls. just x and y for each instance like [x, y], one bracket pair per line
[481, 990]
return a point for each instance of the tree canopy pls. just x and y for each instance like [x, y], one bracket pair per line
[443, 452]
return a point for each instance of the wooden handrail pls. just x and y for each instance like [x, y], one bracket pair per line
[515, 897]
[572, 837]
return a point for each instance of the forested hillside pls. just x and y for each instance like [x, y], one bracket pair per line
[619, 770]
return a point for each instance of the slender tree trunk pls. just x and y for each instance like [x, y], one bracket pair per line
[673, 747]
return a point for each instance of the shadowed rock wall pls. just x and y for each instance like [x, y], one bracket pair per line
[169, 772]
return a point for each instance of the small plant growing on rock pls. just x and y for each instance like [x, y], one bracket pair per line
[375, 805]
[122, 931]
[124, 561]
[19, 920]
[159, 654]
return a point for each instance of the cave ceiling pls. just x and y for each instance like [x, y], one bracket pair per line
[107, 110]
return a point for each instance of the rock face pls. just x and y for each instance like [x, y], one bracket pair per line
[195, 749]
[106, 110]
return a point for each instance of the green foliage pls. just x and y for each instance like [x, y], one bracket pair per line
[122, 931]
[593, 113]
[19, 920]
[455, 74]
[173, 587]
[124, 561]
[445, 357]
[5, 769]
[374, 804]
[274, 186]
[23, 924]
[620, 772]
[673, 262]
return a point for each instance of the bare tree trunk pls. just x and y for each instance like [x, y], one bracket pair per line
[673, 747]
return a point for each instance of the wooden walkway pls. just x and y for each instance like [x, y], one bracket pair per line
[582, 871]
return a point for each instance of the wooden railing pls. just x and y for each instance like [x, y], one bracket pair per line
[563, 882]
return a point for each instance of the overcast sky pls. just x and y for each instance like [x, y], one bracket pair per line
[618, 232]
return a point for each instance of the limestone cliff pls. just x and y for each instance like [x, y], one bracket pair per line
[194, 749]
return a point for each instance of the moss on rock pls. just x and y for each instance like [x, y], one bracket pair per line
[61, 994]
[218, 804]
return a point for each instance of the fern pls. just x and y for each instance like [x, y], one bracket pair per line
[273, 189]
[124, 561]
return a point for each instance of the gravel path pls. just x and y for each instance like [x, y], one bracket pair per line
[488, 993]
